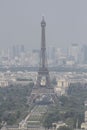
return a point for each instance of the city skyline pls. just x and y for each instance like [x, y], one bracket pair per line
[43, 65]
[19, 24]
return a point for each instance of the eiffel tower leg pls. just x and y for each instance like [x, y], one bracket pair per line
[48, 81]
[38, 81]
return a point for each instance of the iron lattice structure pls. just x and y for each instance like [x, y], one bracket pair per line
[43, 68]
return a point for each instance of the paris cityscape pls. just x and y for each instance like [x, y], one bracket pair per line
[43, 87]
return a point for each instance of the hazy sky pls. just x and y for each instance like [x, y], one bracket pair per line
[20, 22]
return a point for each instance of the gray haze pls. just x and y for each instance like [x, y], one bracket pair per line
[20, 22]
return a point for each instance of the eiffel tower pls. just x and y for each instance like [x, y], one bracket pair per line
[43, 85]
[43, 78]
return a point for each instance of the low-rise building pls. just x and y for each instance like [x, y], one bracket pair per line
[3, 83]
[84, 124]
[59, 124]
[61, 87]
